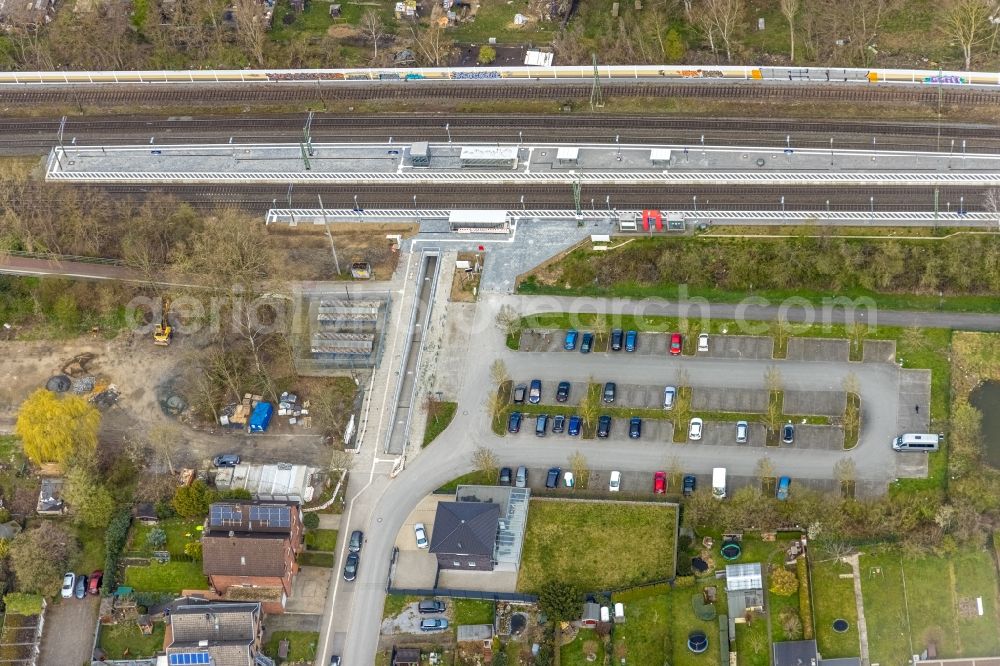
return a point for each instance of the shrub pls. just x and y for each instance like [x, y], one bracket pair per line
[156, 538]
[783, 582]
[310, 520]
[114, 541]
[684, 581]
[487, 55]
[193, 550]
[805, 603]
[637, 593]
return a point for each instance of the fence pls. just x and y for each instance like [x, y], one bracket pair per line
[467, 594]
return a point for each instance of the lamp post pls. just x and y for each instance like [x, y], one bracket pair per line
[694, 200]
[447, 128]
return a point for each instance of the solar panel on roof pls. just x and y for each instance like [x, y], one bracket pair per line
[272, 516]
[185, 658]
[225, 515]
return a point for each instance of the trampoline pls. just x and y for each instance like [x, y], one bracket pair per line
[731, 551]
[841, 626]
[697, 642]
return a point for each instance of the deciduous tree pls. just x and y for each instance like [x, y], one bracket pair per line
[487, 462]
[90, 501]
[560, 601]
[968, 22]
[251, 28]
[789, 8]
[57, 428]
[192, 501]
[783, 582]
[371, 23]
[499, 373]
[580, 467]
[40, 556]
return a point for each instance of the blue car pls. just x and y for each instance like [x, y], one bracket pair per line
[783, 485]
[587, 343]
[574, 425]
[514, 422]
[630, 339]
[570, 342]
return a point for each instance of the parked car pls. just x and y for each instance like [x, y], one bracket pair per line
[694, 429]
[541, 423]
[669, 397]
[521, 478]
[603, 426]
[69, 583]
[569, 344]
[610, 388]
[788, 433]
[552, 480]
[430, 606]
[631, 338]
[357, 540]
[94, 582]
[703, 342]
[558, 424]
[562, 392]
[742, 432]
[535, 392]
[505, 476]
[616, 339]
[80, 591]
[615, 482]
[420, 533]
[574, 425]
[226, 460]
[519, 392]
[586, 343]
[514, 422]
[660, 482]
[434, 624]
[351, 566]
[689, 485]
[783, 484]
[675, 344]
[335, 660]
[635, 427]
[568, 479]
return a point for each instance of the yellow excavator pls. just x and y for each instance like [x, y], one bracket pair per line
[163, 332]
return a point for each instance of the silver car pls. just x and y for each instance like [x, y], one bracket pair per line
[742, 432]
[669, 396]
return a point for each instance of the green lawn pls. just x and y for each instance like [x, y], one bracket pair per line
[171, 577]
[438, 419]
[395, 603]
[473, 611]
[91, 555]
[752, 643]
[115, 639]
[644, 638]
[573, 653]
[834, 599]
[576, 542]
[180, 531]
[301, 646]
[311, 559]
[321, 539]
[909, 604]
[777, 606]
[472, 478]
[496, 19]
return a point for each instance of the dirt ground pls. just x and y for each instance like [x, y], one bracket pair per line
[306, 254]
[143, 374]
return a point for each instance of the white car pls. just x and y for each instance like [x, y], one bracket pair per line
[69, 582]
[615, 484]
[420, 532]
[568, 480]
[669, 397]
[694, 430]
[703, 342]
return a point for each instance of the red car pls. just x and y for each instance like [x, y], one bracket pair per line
[659, 483]
[675, 344]
[94, 582]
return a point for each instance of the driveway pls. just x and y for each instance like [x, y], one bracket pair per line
[309, 590]
[69, 631]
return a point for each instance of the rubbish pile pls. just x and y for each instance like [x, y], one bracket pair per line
[237, 415]
[288, 405]
[107, 398]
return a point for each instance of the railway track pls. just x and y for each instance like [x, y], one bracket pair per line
[111, 95]
[259, 198]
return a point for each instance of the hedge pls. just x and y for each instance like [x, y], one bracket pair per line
[114, 540]
[637, 593]
[805, 598]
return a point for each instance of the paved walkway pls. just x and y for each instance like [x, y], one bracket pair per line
[859, 601]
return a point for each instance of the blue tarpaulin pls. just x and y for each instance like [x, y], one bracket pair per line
[261, 417]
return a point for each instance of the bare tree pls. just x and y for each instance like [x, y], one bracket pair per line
[432, 45]
[772, 379]
[845, 471]
[590, 405]
[790, 8]
[487, 462]
[580, 468]
[251, 28]
[508, 321]
[725, 17]
[371, 23]
[341, 460]
[764, 469]
[968, 23]
[494, 406]
[498, 372]
[991, 202]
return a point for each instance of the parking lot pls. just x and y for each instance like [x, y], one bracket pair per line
[657, 344]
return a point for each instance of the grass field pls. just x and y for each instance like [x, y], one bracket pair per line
[395, 603]
[314, 559]
[914, 601]
[180, 531]
[301, 646]
[472, 611]
[443, 413]
[834, 599]
[115, 639]
[596, 546]
[321, 540]
[573, 654]
[171, 577]
[645, 635]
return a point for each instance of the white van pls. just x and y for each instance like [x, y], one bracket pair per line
[917, 442]
[719, 482]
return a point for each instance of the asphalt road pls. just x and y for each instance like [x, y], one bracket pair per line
[387, 503]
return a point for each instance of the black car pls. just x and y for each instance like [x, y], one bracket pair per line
[506, 476]
[689, 485]
[80, 592]
[558, 424]
[788, 433]
[519, 392]
[586, 343]
[541, 423]
[430, 606]
[616, 339]
[514, 422]
[335, 660]
[562, 392]
[552, 480]
[351, 567]
[635, 427]
[357, 540]
[603, 426]
[609, 392]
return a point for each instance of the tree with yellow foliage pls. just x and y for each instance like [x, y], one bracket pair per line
[56, 428]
